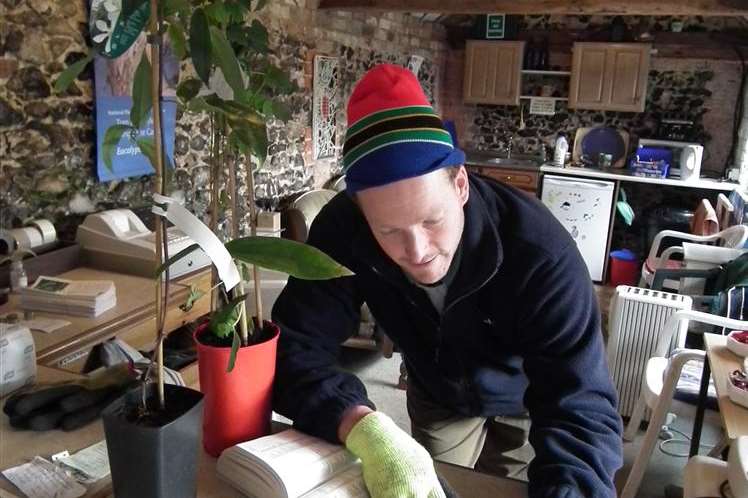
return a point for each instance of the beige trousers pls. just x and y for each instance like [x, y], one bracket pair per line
[496, 445]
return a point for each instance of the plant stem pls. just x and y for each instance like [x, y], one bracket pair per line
[214, 193]
[253, 232]
[159, 187]
[231, 163]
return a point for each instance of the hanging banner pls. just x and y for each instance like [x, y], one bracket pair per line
[113, 87]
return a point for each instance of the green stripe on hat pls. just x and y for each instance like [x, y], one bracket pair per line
[431, 135]
[388, 114]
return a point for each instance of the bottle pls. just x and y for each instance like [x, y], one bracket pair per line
[559, 152]
[529, 54]
[543, 55]
[18, 277]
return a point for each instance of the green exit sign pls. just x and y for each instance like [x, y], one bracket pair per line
[495, 25]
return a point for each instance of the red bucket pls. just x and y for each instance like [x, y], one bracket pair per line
[237, 404]
[624, 268]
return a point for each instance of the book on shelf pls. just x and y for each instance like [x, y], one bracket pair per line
[291, 464]
[73, 297]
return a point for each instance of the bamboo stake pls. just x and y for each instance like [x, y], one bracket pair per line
[160, 188]
[214, 193]
[253, 232]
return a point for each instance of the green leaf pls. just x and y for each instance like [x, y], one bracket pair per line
[200, 46]
[178, 41]
[217, 12]
[281, 111]
[175, 7]
[173, 259]
[252, 137]
[236, 343]
[130, 6]
[71, 73]
[276, 79]
[287, 256]
[227, 60]
[112, 137]
[222, 322]
[148, 148]
[257, 37]
[141, 93]
[188, 89]
[626, 212]
[194, 295]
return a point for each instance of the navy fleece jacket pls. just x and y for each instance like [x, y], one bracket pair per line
[520, 331]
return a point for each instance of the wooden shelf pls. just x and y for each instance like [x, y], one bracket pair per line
[546, 73]
[564, 99]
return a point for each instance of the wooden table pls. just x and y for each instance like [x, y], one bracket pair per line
[132, 319]
[17, 447]
[720, 362]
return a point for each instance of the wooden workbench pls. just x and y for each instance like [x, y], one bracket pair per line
[132, 319]
[17, 447]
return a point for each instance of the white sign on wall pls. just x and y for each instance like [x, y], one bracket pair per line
[543, 105]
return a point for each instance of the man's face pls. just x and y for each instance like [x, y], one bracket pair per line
[418, 221]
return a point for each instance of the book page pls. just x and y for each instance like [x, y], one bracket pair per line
[301, 462]
[347, 484]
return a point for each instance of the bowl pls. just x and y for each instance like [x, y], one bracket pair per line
[736, 394]
[737, 342]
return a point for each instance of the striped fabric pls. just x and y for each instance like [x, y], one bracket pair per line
[409, 124]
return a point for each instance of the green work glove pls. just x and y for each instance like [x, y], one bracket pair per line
[394, 464]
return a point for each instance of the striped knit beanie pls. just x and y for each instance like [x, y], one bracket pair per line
[393, 132]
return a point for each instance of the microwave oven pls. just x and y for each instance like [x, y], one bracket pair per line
[687, 156]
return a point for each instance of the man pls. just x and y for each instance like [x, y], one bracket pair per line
[481, 289]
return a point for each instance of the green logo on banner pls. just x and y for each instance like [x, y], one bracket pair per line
[495, 24]
[114, 29]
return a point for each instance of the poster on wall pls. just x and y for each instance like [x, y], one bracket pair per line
[324, 106]
[113, 79]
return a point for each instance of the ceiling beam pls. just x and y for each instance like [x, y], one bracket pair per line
[566, 7]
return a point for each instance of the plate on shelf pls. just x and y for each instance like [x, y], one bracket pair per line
[589, 142]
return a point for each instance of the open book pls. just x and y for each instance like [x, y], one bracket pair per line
[292, 464]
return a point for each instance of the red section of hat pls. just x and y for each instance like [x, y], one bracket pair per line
[385, 86]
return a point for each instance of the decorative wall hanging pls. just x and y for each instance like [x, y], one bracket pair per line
[325, 106]
[414, 64]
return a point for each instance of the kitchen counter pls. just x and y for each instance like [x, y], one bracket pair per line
[623, 174]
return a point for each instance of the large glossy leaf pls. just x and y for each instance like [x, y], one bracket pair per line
[200, 46]
[287, 256]
[233, 111]
[141, 93]
[71, 72]
[222, 322]
[227, 60]
[278, 80]
[112, 137]
[281, 111]
[178, 41]
[188, 89]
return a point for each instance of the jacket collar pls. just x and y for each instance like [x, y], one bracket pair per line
[482, 250]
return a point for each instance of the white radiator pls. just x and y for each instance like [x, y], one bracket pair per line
[637, 317]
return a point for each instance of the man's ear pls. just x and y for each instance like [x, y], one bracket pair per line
[462, 185]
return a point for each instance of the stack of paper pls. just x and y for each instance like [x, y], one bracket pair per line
[71, 297]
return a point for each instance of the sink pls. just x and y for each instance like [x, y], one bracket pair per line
[513, 162]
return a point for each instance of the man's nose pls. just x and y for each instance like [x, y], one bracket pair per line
[416, 246]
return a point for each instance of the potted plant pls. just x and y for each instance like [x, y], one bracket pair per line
[144, 428]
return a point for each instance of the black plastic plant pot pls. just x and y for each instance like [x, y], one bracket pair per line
[154, 455]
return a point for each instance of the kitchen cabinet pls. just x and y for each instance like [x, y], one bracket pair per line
[492, 72]
[521, 179]
[609, 76]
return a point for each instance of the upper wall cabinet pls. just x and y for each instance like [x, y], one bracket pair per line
[609, 76]
[492, 72]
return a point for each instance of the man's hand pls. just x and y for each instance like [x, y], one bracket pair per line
[394, 464]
